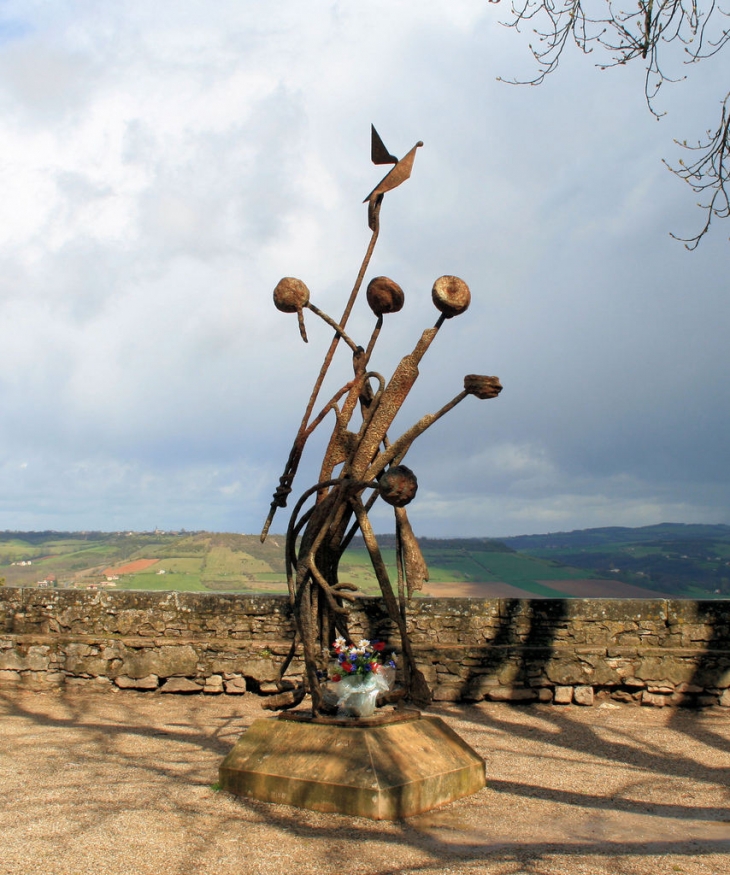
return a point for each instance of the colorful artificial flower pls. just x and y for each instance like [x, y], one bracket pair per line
[362, 658]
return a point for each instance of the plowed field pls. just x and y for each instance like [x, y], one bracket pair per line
[131, 567]
[580, 589]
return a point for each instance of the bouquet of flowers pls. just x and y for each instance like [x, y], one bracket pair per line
[357, 677]
[360, 659]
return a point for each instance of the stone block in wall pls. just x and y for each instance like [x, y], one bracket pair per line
[9, 678]
[688, 688]
[447, 637]
[656, 700]
[150, 682]
[97, 684]
[447, 693]
[271, 688]
[565, 669]
[279, 649]
[596, 634]
[446, 661]
[722, 678]
[11, 660]
[628, 639]
[681, 699]
[167, 661]
[583, 695]
[180, 685]
[725, 699]
[681, 611]
[40, 681]
[601, 670]
[634, 683]
[235, 686]
[624, 611]
[536, 677]
[477, 687]
[667, 668]
[713, 612]
[35, 658]
[38, 657]
[213, 684]
[695, 633]
[563, 695]
[511, 694]
[9, 607]
[712, 670]
[510, 672]
[258, 668]
[613, 670]
[85, 659]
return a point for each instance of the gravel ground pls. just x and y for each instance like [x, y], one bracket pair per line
[100, 784]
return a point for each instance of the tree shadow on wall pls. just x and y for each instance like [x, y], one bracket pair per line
[712, 670]
[516, 648]
[523, 644]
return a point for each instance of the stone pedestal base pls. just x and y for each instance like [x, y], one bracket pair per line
[384, 768]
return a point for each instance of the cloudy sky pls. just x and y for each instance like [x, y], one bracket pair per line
[163, 164]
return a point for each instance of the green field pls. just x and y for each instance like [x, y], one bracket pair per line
[691, 561]
[459, 564]
[693, 564]
[162, 583]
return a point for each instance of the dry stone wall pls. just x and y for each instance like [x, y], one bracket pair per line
[656, 652]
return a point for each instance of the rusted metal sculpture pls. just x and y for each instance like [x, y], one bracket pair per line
[370, 464]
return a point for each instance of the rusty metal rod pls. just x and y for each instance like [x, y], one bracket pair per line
[295, 455]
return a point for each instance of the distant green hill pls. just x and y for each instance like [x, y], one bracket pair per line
[683, 560]
[616, 535]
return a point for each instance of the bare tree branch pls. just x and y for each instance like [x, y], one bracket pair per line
[619, 36]
[709, 173]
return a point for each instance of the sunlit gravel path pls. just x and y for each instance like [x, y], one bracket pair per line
[122, 784]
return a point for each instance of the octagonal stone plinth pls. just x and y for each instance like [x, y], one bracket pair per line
[382, 768]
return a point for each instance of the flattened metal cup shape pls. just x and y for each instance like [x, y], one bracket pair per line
[384, 295]
[398, 486]
[482, 387]
[451, 295]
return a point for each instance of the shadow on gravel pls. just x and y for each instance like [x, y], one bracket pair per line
[448, 845]
[577, 737]
[108, 739]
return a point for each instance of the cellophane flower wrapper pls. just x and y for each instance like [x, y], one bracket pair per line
[358, 694]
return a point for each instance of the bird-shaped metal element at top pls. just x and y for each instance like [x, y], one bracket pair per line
[378, 153]
[392, 179]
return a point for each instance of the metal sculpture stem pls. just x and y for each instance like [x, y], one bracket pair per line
[367, 459]
[295, 455]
